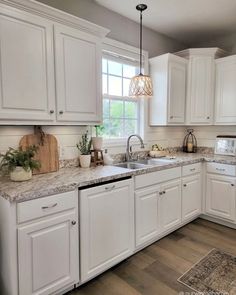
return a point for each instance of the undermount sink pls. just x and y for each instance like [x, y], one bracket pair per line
[131, 165]
[146, 162]
[159, 161]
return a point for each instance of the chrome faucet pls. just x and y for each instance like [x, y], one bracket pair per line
[129, 148]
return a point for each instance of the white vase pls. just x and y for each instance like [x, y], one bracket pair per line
[85, 161]
[97, 143]
[20, 174]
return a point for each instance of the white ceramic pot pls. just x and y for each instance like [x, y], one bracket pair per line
[85, 161]
[19, 174]
[97, 143]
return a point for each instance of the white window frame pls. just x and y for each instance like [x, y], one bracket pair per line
[128, 54]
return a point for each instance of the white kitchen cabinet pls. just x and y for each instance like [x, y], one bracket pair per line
[48, 252]
[221, 196]
[170, 205]
[106, 226]
[167, 106]
[146, 214]
[78, 75]
[200, 84]
[191, 197]
[225, 104]
[27, 90]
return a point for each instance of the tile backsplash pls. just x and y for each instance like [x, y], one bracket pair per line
[68, 136]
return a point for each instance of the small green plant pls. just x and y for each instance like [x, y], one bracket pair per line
[19, 157]
[84, 146]
[99, 130]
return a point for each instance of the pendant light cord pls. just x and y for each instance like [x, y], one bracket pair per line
[141, 41]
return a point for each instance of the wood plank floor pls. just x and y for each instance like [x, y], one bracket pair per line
[155, 270]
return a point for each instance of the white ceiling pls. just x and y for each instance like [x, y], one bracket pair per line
[185, 20]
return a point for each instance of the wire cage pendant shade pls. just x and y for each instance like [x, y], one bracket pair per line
[141, 85]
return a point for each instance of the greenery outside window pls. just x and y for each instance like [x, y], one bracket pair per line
[120, 113]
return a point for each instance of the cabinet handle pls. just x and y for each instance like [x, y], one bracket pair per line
[73, 222]
[164, 192]
[171, 117]
[193, 169]
[232, 184]
[208, 118]
[185, 185]
[61, 112]
[51, 111]
[220, 169]
[110, 188]
[49, 207]
[160, 193]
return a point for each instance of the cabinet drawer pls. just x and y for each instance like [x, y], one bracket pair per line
[223, 169]
[157, 177]
[45, 206]
[191, 169]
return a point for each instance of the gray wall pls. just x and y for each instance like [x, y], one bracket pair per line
[227, 42]
[122, 29]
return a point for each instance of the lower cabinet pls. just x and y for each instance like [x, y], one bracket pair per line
[221, 196]
[170, 205]
[147, 217]
[106, 226]
[48, 254]
[191, 197]
[157, 210]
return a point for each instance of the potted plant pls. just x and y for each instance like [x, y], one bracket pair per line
[19, 163]
[98, 140]
[84, 146]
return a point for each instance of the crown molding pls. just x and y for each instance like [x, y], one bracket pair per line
[214, 52]
[56, 15]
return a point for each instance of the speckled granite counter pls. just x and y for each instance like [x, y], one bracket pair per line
[68, 179]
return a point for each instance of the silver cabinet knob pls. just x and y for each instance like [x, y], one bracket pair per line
[185, 185]
[61, 112]
[208, 118]
[73, 222]
[164, 192]
[171, 117]
[51, 111]
[232, 184]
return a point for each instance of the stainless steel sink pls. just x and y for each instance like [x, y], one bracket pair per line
[159, 161]
[131, 165]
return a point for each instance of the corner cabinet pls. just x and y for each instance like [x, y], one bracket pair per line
[200, 84]
[78, 75]
[225, 105]
[50, 67]
[106, 226]
[167, 106]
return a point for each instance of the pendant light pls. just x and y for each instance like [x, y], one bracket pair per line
[141, 85]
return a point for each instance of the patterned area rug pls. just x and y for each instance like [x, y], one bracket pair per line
[213, 274]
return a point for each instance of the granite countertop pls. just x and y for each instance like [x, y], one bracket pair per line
[68, 179]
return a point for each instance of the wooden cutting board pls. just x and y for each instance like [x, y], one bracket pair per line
[47, 153]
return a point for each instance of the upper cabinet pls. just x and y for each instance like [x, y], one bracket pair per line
[78, 75]
[167, 106]
[27, 67]
[200, 84]
[50, 70]
[225, 106]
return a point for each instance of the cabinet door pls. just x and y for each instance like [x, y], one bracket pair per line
[170, 205]
[225, 107]
[220, 196]
[146, 215]
[176, 92]
[106, 226]
[48, 255]
[191, 197]
[27, 67]
[78, 76]
[200, 90]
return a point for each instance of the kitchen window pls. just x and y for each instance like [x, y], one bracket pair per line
[120, 113]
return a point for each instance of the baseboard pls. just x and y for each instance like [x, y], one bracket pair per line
[219, 221]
